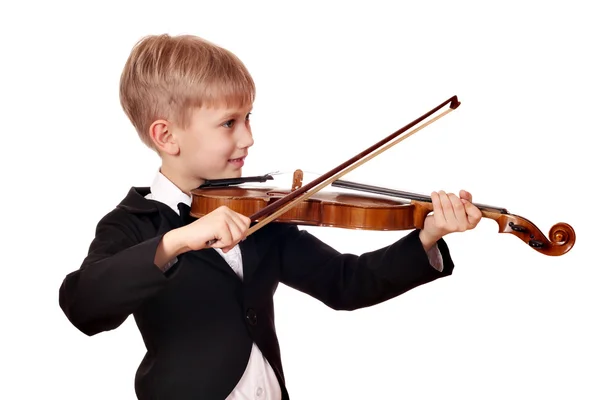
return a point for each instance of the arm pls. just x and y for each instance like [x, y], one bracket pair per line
[122, 271]
[171, 245]
[348, 281]
[116, 277]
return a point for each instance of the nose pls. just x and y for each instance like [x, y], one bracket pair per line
[245, 138]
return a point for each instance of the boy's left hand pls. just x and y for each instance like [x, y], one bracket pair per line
[450, 214]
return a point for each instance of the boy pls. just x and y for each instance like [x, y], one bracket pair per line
[206, 313]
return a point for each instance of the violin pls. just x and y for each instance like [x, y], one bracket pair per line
[377, 208]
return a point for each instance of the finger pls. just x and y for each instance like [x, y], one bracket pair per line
[447, 206]
[242, 221]
[438, 210]
[223, 234]
[474, 214]
[242, 224]
[235, 229]
[466, 196]
[459, 213]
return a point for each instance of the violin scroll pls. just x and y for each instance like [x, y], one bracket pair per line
[560, 240]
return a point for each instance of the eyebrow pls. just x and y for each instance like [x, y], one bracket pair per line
[230, 115]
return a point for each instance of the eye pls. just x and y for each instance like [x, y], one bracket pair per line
[231, 122]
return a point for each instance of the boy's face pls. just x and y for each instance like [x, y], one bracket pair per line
[216, 142]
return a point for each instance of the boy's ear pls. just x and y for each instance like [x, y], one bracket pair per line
[163, 138]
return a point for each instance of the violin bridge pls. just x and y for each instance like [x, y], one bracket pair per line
[297, 180]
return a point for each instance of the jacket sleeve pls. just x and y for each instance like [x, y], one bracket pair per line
[115, 278]
[347, 281]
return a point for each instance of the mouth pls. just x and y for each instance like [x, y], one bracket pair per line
[237, 161]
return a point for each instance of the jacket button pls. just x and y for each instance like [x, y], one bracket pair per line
[251, 316]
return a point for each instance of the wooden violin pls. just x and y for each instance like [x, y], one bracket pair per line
[381, 209]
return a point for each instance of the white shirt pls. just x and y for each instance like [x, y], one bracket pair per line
[259, 381]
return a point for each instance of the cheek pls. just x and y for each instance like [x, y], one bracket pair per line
[223, 148]
[209, 151]
[213, 154]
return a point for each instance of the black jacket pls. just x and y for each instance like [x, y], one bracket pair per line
[199, 320]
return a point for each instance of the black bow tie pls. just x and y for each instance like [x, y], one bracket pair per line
[184, 213]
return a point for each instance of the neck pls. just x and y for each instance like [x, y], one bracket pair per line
[185, 183]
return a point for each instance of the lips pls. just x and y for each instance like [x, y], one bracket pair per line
[240, 159]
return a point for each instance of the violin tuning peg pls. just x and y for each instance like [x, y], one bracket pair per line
[518, 228]
[536, 243]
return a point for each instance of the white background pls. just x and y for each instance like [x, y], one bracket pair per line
[333, 78]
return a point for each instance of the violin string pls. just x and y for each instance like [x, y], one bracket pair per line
[402, 194]
[380, 190]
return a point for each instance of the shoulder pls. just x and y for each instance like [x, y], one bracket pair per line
[132, 216]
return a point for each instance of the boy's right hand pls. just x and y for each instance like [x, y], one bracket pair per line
[223, 226]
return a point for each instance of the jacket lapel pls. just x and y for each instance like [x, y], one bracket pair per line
[250, 256]
[250, 259]
[212, 259]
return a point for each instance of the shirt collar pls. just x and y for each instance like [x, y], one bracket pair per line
[165, 191]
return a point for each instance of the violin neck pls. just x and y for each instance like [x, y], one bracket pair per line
[404, 195]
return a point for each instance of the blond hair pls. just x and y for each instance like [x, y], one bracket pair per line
[165, 77]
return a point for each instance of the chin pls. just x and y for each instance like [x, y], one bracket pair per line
[236, 173]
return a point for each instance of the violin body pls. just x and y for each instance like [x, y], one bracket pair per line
[328, 209]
